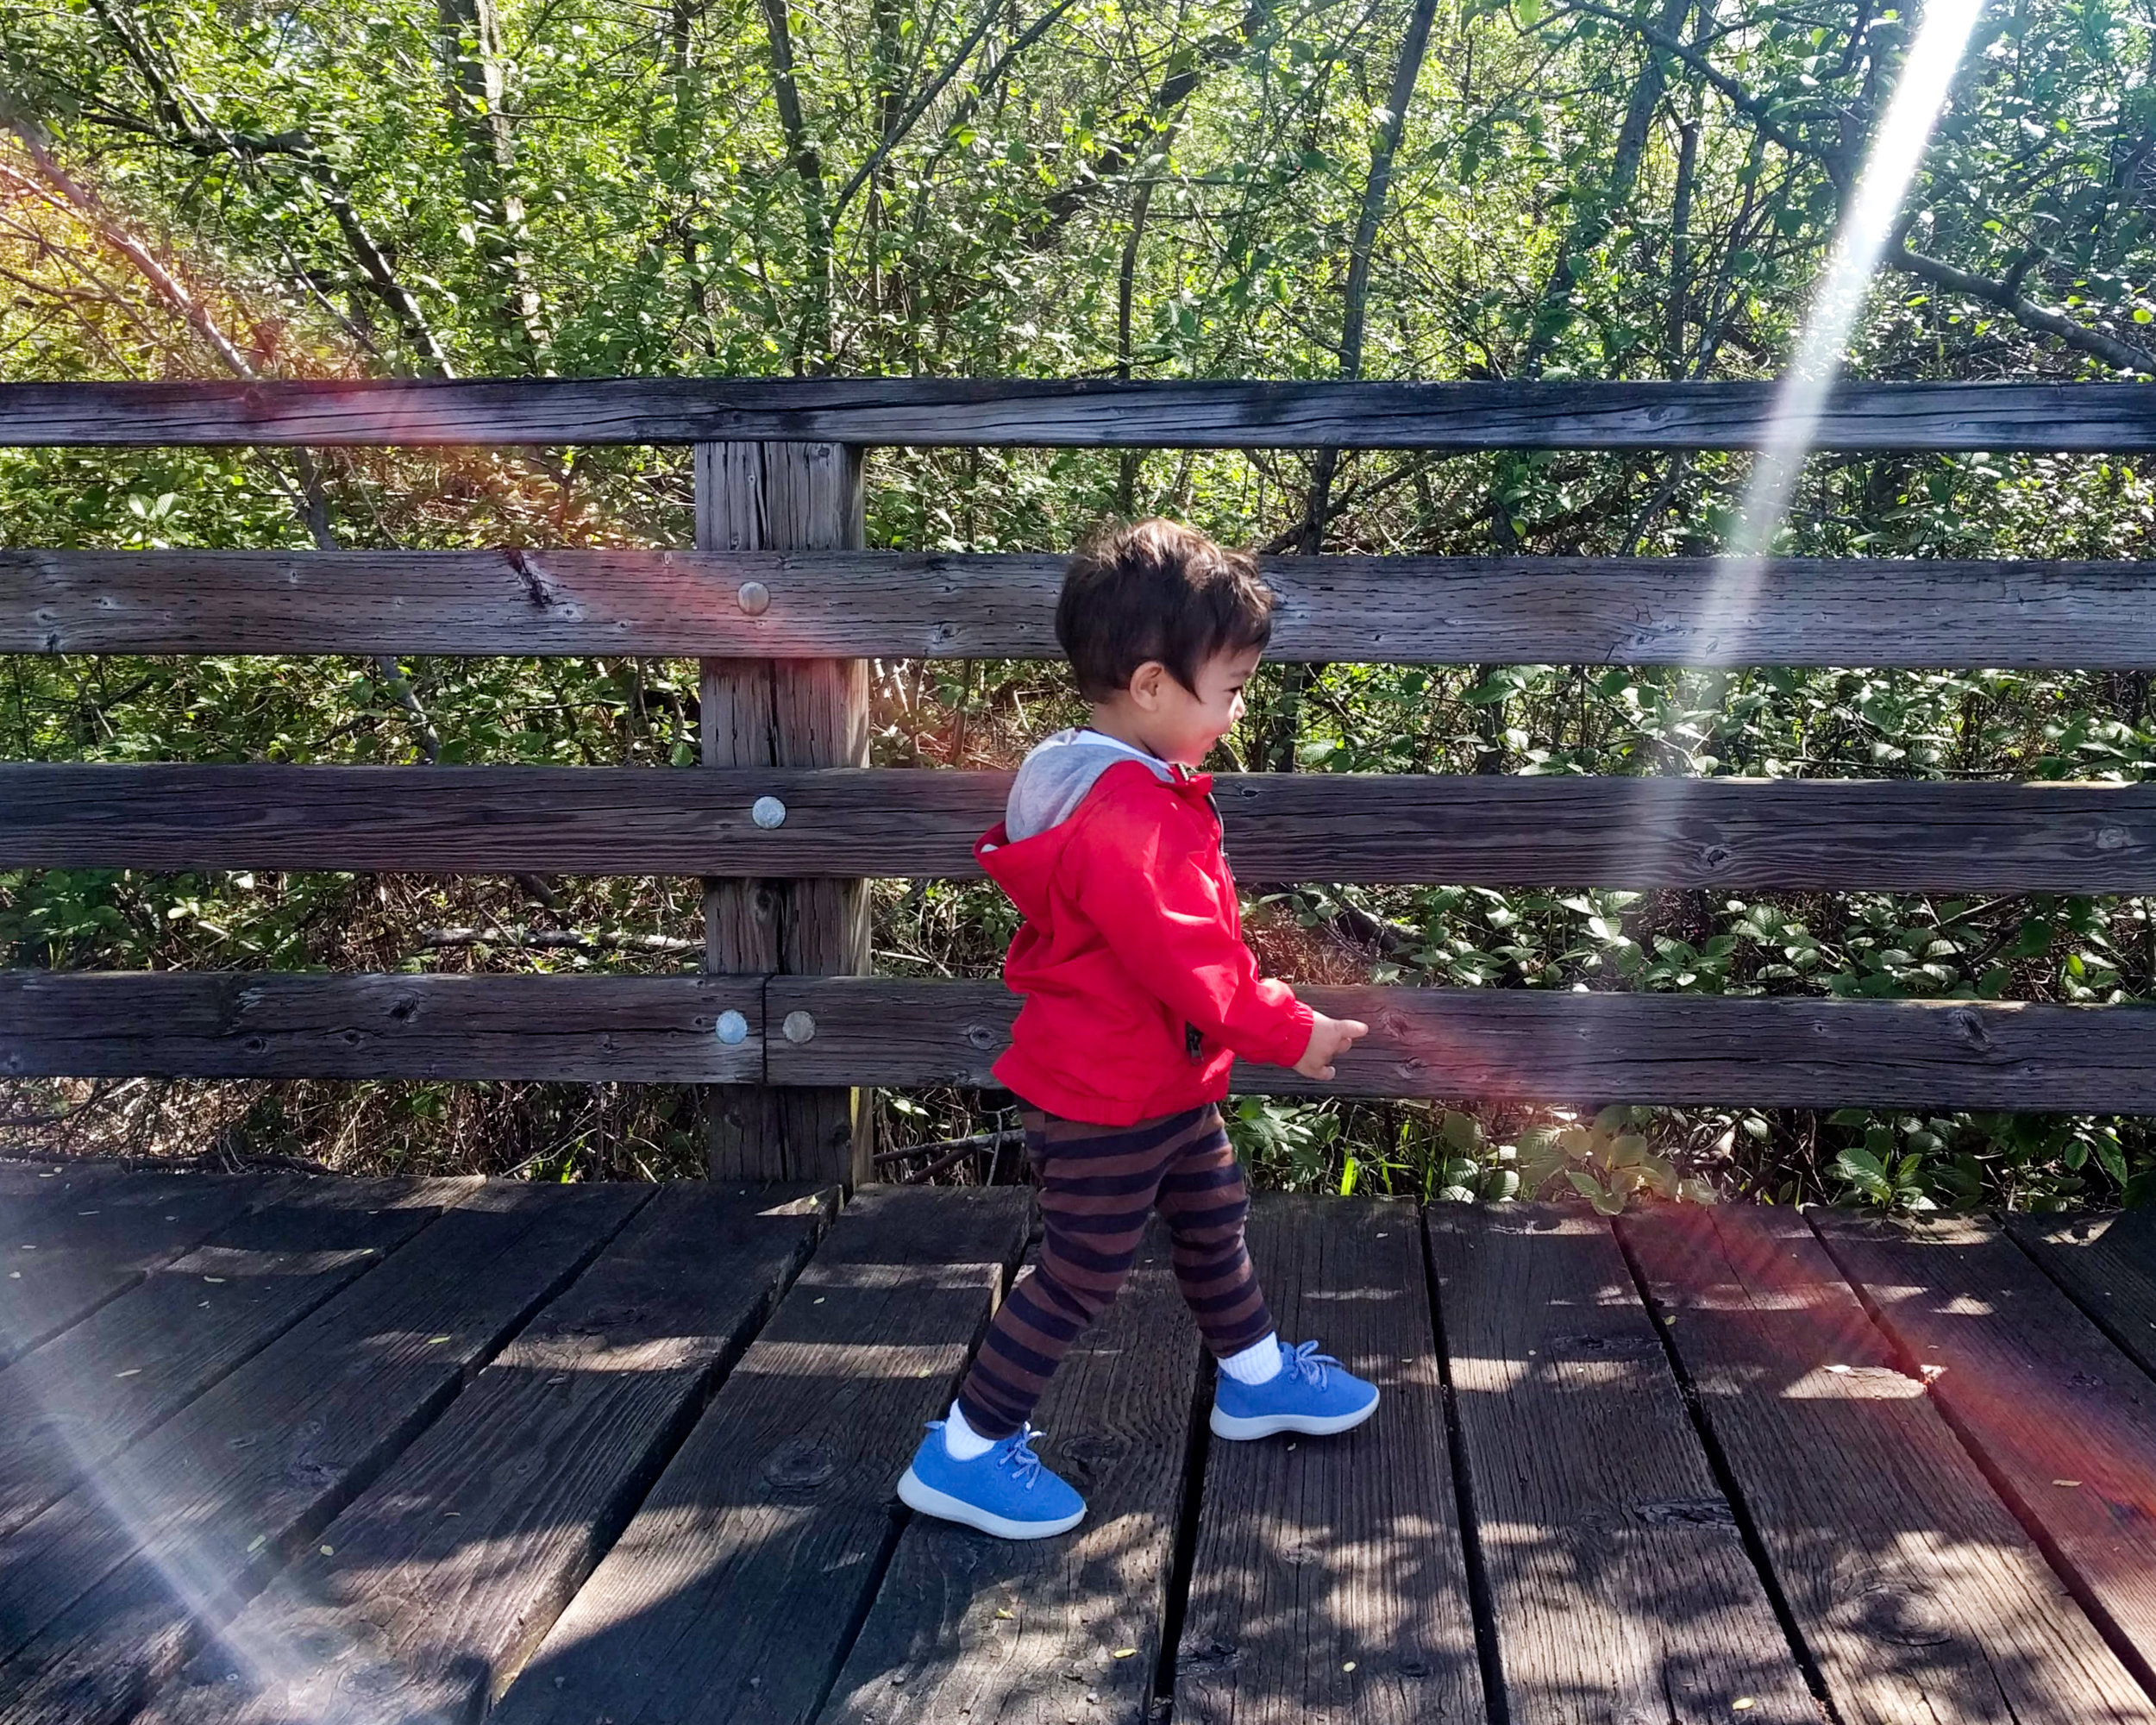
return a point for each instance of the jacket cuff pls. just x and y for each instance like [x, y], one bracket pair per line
[1286, 1046]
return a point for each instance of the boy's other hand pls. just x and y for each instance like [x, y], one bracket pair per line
[1329, 1038]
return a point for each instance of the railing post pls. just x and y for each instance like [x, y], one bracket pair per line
[799, 712]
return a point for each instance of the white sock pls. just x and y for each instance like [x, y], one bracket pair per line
[963, 1442]
[1259, 1363]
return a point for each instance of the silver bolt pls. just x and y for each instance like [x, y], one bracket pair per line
[754, 598]
[800, 1027]
[732, 1027]
[768, 812]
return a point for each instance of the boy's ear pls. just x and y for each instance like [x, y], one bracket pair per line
[1146, 685]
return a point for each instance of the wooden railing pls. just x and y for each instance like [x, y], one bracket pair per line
[785, 821]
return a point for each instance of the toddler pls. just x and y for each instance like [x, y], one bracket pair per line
[1140, 995]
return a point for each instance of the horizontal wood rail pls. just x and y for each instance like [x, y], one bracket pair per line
[946, 411]
[257, 1023]
[1462, 1042]
[769, 605]
[1881, 835]
[1531, 1045]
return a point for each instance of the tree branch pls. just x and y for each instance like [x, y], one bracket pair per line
[190, 131]
[90, 207]
[895, 133]
[2008, 297]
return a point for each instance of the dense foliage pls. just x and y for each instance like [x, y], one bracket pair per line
[1306, 188]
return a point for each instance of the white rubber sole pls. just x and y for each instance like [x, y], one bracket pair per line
[916, 1494]
[1265, 1425]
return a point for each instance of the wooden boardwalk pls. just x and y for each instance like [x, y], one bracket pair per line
[292, 1451]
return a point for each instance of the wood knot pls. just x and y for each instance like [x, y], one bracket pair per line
[536, 588]
[1622, 1346]
[1210, 1655]
[1686, 1512]
[1969, 1029]
[1714, 857]
[799, 1464]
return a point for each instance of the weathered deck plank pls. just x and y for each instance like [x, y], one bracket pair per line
[1619, 1584]
[2064, 1423]
[108, 1591]
[65, 1259]
[425, 1595]
[1207, 413]
[733, 1593]
[285, 1024]
[1916, 1591]
[562, 600]
[96, 1388]
[968, 1626]
[26, 1187]
[1329, 1584]
[1508, 830]
[2107, 1264]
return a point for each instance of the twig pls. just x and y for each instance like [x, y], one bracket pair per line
[955, 1150]
[545, 939]
[921, 1177]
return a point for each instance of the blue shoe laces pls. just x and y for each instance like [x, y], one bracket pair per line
[1017, 1455]
[1304, 1361]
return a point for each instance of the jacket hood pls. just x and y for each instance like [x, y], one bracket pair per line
[1057, 775]
[1025, 867]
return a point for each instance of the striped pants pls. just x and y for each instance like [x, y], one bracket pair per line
[1097, 1185]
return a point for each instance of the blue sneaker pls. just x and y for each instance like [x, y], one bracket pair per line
[1006, 1492]
[1311, 1392]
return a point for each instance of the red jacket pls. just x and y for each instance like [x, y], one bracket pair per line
[1139, 992]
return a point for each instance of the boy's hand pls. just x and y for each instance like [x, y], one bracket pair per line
[1329, 1038]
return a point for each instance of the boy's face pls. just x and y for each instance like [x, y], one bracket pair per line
[1176, 724]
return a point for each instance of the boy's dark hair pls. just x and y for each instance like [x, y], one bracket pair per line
[1157, 590]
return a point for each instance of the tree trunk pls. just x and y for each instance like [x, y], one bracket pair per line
[471, 52]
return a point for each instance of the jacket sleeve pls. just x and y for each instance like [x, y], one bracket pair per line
[1144, 882]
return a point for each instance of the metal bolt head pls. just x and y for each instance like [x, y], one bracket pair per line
[753, 598]
[767, 811]
[732, 1028]
[799, 1026]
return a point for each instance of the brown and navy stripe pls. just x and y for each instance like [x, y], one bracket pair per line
[1098, 1186]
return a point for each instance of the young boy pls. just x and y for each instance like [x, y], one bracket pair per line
[1139, 994]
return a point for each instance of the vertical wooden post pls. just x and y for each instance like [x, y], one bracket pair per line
[797, 713]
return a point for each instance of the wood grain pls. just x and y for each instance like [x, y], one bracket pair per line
[732, 1595]
[109, 1591]
[62, 1260]
[1918, 1595]
[835, 603]
[95, 1389]
[1328, 1585]
[1538, 1045]
[2064, 1423]
[281, 1025]
[1522, 1044]
[1887, 835]
[424, 1598]
[1024, 1631]
[2107, 1264]
[1619, 1584]
[783, 713]
[952, 412]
